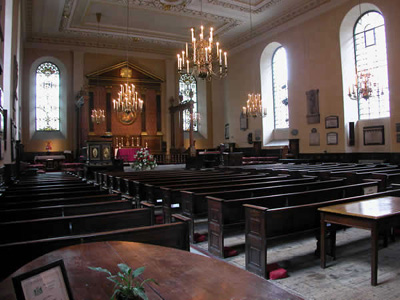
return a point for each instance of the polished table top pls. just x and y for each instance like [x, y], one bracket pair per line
[180, 274]
[372, 209]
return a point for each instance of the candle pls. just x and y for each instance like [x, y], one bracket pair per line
[146, 144]
[194, 50]
[183, 57]
[244, 110]
[192, 30]
[201, 33]
[226, 60]
[187, 65]
[206, 55]
[220, 57]
[187, 55]
[211, 34]
[178, 60]
[218, 51]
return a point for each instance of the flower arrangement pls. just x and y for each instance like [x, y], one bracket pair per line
[143, 160]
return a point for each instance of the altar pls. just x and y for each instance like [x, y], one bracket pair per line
[127, 154]
[50, 162]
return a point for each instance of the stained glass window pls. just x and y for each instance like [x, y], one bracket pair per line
[187, 92]
[279, 87]
[47, 97]
[371, 58]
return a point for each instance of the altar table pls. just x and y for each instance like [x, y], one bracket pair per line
[373, 214]
[127, 154]
[180, 275]
[51, 162]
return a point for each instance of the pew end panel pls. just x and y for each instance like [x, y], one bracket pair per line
[256, 243]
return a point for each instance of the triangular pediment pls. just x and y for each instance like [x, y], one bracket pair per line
[112, 75]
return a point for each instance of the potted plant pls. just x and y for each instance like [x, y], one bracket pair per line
[127, 284]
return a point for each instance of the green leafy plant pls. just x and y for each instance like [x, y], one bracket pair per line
[127, 283]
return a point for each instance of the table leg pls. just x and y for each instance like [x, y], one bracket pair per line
[374, 253]
[322, 242]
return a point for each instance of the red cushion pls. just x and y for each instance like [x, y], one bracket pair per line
[159, 219]
[228, 252]
[198, 238]
[271, 267]
[278, 274]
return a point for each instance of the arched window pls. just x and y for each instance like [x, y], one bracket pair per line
[371, 64]
[188, 91]
[47, 97]
[279, 88]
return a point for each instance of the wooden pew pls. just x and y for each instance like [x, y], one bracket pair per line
[8, 215]
[387, 178]
[194, 204]
[45, 185]
[172, 195]
[152, 192]
[60, 201]
[25, 230]
[50, 189]
[263, 224]
[226, 215]
[15, 255]
[88, 191]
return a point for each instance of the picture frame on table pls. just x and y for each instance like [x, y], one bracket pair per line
[332, 122]
[47, 282]
[374, 135]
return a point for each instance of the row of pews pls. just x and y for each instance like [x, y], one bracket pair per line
[46, 212]
[261, 201]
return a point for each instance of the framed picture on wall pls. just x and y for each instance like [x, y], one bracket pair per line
[332, 138]
[374, 135]
[243, 121]
[227, 131]
[332, 122]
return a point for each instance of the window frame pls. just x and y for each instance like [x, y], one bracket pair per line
[59, 97]
[195, 104]
[354, 34]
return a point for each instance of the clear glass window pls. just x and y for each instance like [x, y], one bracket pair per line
[279, 87]
[47, 97]
[187, 92]
[371, 64]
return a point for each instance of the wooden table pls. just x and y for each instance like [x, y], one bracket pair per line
[374, 214]
[180, 274]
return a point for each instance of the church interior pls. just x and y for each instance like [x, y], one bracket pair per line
[186, 117]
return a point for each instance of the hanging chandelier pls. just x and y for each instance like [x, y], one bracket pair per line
[364, 87]
[254, 107]
[127, 105]
[203, 58]
[128, 101]
[98, 116]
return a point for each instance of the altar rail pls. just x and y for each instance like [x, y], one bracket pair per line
[163, 159]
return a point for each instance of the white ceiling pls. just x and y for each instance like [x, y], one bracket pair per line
[157, 26]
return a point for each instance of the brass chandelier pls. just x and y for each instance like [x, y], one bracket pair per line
[127, 105]
[203, 58]
[253, 106]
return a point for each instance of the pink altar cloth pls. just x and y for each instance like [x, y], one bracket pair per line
[127, 154]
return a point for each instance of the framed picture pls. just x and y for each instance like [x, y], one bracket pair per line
[106, 150]
[332, 122]
[94, 152]
[47, 282]
[243, 122]
[314, 139]
[332, 138]
[227, 131]
[374, 135]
